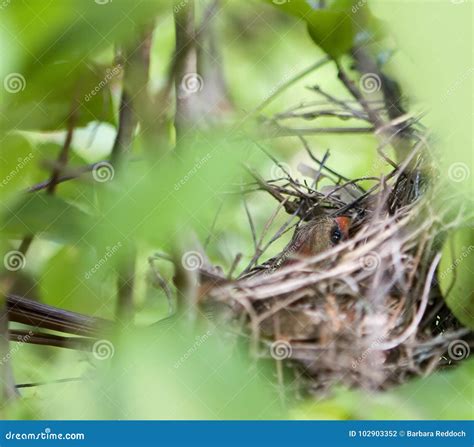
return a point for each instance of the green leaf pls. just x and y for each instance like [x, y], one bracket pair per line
[76, 28]
[76, 279]
[158, 202]
[417, 399]
[298, 8]
[51, 94]
[18, 163]
[55, 44]
[333, 31]
[445, 89]
[80, 190]
[456, 275]
[341, 25]
[47, 216]
[337, 26]
[175, 373]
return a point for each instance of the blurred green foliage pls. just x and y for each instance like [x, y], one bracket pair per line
[54, 46]
[444, 88]
[159, 373]
[435, 70]
[456, 275]
[419, 399]
[336, 25]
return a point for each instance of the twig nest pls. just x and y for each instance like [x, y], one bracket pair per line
[363, 313]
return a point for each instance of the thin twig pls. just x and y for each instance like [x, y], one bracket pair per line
[281, 131]
[62, 157]
[251, 224]
[64, 178]
[292, 81]
[163, 284]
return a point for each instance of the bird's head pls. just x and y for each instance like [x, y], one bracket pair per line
[319, 235]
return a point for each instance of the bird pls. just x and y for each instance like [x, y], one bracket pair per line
[309, 239]
[316, 236]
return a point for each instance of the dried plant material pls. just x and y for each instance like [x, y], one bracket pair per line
[364, 312]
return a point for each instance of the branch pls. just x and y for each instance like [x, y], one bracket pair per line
[125, 283]
[185, 68]
[64, 178]
[29, 312]
[136, 63]
[62, 157]
[354, 91]
[278, 131]
[136, 68]
[393, 102]
[58, 341]
[8, 389]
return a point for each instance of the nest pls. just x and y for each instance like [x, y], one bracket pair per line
[366, 313]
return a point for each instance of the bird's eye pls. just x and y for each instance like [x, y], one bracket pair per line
[336, 235]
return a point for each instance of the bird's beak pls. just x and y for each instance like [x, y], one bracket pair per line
[344, 223]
